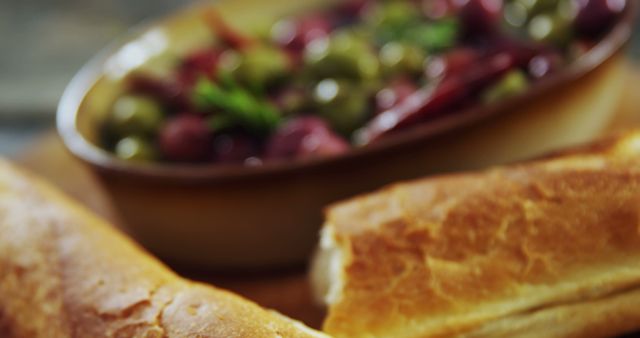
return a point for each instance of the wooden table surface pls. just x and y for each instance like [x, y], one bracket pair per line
[286, 291]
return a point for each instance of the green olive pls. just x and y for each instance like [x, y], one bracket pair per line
[392, 13]
[516, 15]
[512, 83]
[396, 57]
[344, 55]
[362, 32]
[554, 29]
[519, 13]
[343, 104]
[132, 114]
[257, 67]
[535, 7]
[135, 148]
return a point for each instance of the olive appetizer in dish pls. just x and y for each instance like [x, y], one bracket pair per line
[320, 83]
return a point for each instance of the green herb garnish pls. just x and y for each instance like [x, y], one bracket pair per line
[431, 36]
[235, 106]
[434, 36]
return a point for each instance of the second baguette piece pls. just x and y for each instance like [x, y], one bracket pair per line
[543, 249]
[65, 273]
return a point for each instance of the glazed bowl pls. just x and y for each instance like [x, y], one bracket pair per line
[215, 216]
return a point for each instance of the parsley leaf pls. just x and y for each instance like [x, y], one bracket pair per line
[236, 106]
[432, 36]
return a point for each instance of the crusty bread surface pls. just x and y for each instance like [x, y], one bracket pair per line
[65, 273]
[549, 248]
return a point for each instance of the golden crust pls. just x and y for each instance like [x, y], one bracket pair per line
[507, 250]
[65, 273]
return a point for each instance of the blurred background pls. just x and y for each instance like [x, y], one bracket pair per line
[46, 42]
[44, 45]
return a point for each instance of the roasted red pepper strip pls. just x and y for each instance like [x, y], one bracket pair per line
[429, 102]
[226, 33]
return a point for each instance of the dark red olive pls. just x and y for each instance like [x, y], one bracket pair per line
[185, 138]
[322, 144]
[286, 141]
[294, 35]
[304, 137]
[233, 149]
[173, 95]
[395, 93]
[199, 64]
[597, 16]
[479, 17]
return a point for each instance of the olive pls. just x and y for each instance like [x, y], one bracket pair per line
[185, 138]
[512, 83]
[134, 148]
[322, 144]
[362, 33]
[555, 29]
[233, 148]
[296, 34]
[344, 55]
[174, 95]
[257, 67]
[286, 141]
[480, 16]
[132, 115]
[396, 57]
[595, 17]
[535, 7]
[516, 14]
[304, 137]
[391, 13]
[343, 104]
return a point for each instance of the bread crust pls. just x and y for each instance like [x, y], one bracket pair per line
[66, 273]
[547, 248]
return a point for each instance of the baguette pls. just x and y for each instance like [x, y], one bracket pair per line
[549, 248]
[66, 273]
